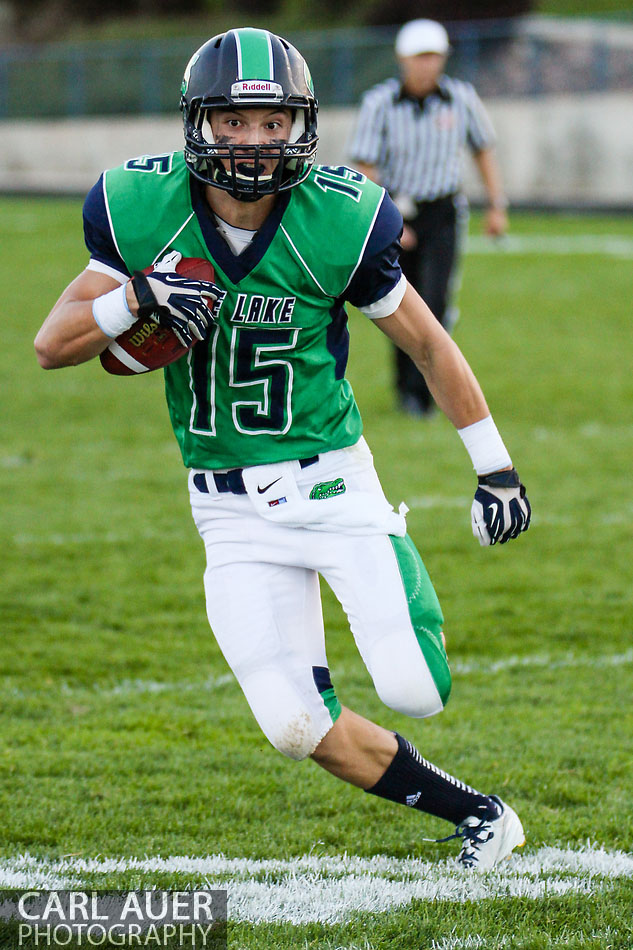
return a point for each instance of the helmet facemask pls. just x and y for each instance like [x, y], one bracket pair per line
[239, 168]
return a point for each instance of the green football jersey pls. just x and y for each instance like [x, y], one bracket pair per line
[268, 384]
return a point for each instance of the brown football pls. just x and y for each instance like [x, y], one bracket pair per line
[146, 345]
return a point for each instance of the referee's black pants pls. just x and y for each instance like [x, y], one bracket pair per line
[429, 268]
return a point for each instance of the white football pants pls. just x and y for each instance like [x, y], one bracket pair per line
[264, 607]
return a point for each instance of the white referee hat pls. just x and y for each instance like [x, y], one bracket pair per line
[421, 36]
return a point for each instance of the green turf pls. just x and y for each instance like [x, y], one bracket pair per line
[102, 599]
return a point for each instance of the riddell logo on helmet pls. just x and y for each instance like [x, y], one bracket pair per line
[262, 87]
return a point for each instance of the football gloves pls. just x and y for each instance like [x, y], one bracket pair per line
[180, 303]
[501, 510]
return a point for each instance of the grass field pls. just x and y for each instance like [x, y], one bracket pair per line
[123, 737]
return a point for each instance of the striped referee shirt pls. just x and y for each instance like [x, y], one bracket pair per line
[418, 144]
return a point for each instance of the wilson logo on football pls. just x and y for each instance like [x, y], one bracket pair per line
[146, 345]
[259, 87]
[138, 338]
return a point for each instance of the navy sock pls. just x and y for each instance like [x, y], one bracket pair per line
[411, 780]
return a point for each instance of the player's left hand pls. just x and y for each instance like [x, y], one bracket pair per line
[501, 510]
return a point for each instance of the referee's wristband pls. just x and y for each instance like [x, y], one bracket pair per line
[111, 312]
[485, 446]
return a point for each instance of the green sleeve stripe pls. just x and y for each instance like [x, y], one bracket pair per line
[254, 54]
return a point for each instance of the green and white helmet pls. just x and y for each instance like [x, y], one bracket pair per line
[237, 69]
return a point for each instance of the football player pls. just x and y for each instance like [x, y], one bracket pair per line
[282, 482]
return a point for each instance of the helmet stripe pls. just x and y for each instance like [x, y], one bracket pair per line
[254, 54]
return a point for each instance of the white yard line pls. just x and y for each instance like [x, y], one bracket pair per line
[135, 687]
[606, 245]
[327, 889]
[60, 539]
[621, 515]
[128, 687]
[483, 666]
[589, 429]
[542, 661]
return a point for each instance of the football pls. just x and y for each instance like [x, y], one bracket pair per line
[146, 346]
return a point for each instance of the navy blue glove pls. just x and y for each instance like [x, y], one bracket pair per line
[181, 303]
[501, 510]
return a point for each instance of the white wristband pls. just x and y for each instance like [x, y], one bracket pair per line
[485, 446]
[111, 312]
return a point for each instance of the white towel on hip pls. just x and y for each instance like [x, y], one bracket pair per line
[275, 495]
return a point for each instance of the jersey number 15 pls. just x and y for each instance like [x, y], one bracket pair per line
[256, 371]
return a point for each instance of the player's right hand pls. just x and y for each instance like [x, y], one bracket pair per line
[501, 510]
[174, 301]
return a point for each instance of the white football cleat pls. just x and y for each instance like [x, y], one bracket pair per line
[487, 841]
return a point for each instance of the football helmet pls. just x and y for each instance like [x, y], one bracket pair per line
[242, 68]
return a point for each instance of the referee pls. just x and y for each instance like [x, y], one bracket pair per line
[410, 137]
